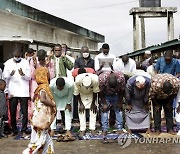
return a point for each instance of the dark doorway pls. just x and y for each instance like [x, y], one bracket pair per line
[1, 57]
[1, 54]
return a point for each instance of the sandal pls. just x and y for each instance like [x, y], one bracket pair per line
[60, 138]
[68, 138]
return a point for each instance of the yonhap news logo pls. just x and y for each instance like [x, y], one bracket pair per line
[127, 140]
[124, 141]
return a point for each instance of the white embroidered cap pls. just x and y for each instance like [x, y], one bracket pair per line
[140, 81]
[148, 52]
[86, 81]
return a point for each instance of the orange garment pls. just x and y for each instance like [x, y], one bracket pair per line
[42, 78]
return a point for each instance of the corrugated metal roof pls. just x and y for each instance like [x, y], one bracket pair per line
[156, 47]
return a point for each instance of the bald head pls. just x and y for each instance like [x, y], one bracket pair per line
[168, 53]
[112, 81]
[125, 59]
[138, 65]
[168, 56]
[167, 87]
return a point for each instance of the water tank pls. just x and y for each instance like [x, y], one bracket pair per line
[150, 3]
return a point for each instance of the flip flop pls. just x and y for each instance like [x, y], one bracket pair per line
[68, 138]
[60, 138]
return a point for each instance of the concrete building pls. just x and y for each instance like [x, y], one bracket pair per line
[29, 27]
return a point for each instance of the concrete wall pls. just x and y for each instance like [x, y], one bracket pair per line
[13, 25]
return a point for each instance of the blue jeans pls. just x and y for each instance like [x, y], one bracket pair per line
[174, 107]
[111, 101]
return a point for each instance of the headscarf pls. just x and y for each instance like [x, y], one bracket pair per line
[42, 76]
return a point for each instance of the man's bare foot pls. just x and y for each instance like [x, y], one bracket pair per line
[119, 132]
[148, 132]
[104, 133]
[93, 132]
[157, 132]
[82, 133]
[171, 132]
[129, 131]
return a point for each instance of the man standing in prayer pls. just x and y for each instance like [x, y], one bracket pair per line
[105, 60]
[85, 61]
[61, 62]
[147, 56]
[168, 64]
[17, 75]
[125, 65]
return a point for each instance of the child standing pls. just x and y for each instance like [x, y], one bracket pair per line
[3, 107]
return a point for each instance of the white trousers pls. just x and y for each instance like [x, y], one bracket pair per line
[92, 120]
[68, 119]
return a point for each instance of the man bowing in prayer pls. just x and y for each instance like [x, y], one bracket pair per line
[137, 90]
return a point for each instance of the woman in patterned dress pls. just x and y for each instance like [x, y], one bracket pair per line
[41, 142]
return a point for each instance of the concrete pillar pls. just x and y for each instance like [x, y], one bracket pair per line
[170, 24]
[54, 35]
[143, 38]
[28, 30]
[136, 31]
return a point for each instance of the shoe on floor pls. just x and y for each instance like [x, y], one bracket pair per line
[14, 133]
[3, 135]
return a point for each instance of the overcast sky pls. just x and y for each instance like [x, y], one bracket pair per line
[110, 18]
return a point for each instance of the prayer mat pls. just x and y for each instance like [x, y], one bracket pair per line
[112, 136]
[20, 137]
